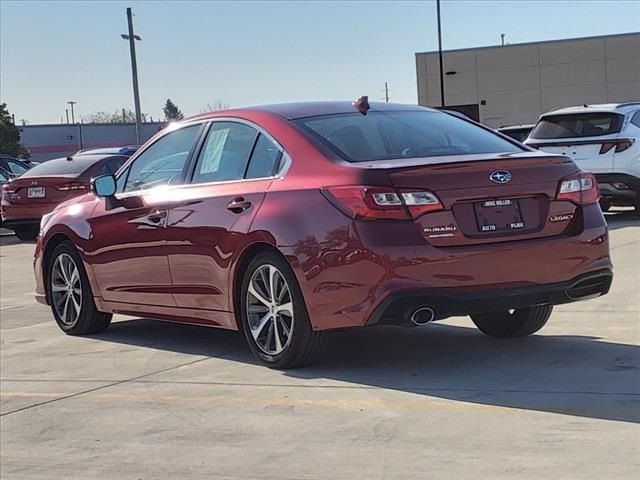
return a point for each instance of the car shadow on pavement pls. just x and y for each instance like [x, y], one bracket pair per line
[572, 375]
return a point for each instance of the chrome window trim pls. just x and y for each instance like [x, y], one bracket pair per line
[285, 160]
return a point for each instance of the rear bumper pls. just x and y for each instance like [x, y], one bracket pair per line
[17, 222]
[611, 191]
[25, 214]
[397, 308]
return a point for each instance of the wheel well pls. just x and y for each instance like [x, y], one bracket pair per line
[246, 257]
[53, 242]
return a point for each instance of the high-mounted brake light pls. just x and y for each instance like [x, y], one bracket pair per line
[581, 189]
[373, 203]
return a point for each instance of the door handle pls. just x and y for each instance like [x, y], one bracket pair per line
[157, 216]
[238, 205]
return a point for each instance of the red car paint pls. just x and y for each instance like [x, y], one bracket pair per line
[62, 179]
[175, 253]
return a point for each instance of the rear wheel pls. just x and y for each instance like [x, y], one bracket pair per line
[274, 316]
[70, 294]
[513, 323]
[27, 233]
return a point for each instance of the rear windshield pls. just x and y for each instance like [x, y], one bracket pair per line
[577, 125]
[396, 135]
[61, 167]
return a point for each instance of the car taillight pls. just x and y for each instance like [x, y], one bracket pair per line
[580, 189]
[371, 203]
[621, 145]
[72, 186]
[8, 188]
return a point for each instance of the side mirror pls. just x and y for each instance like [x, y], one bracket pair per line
[104, 186]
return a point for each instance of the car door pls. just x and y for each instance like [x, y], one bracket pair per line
[129, 257]
[209, 221]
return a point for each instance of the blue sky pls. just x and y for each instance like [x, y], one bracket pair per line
[245, 53]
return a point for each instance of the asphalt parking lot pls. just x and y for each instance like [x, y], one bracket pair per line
[149, 400]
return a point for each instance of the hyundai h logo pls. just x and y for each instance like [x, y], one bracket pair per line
[500, 176]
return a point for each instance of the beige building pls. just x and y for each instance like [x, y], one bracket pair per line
[514, 84]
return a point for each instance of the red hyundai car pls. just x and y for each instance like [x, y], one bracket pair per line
[287, 221]
[39, 190]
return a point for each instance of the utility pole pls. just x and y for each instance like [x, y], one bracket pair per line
[134, 70]
[386, 92]
[67, 112]
[440, 55]
[73, 117]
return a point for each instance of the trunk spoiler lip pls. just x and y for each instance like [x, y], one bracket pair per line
[575, 143]
[443, 161]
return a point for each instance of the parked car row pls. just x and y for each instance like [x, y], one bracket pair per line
[602, 139]
[37, 189]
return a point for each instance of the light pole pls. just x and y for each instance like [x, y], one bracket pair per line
[442, 104]
[73, 117]
[134, 70]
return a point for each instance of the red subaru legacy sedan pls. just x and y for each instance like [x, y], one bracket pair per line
[39, 190]
[288, 221]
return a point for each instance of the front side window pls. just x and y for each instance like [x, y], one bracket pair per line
[163, 162]
[577, 125]
[403, 134]
[225, 153]
[636, 119]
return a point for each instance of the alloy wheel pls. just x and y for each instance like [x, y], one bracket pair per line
[270, 310]
[66, 289]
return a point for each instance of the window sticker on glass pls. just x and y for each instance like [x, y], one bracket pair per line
[213, 151]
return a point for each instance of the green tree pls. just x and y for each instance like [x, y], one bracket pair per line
[10, 135]
[119, 116]
[171, 111]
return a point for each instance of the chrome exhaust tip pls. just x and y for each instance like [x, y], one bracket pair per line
[422, 316]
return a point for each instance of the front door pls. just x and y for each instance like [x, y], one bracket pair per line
[130, 260]
[210, 221]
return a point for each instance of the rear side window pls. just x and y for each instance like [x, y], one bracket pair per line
[636, 119]
[396, 135]
[16, 168]
[225, 153]
[577, 125]
[264, 159]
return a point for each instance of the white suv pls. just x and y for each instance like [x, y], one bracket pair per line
[602, 139]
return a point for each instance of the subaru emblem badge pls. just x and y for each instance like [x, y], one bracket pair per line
[500, 176]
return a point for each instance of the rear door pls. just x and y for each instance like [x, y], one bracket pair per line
[129, 255]
[588, 138]
[210, 219]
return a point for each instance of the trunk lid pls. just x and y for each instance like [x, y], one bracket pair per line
[518, 203]
[42, 190]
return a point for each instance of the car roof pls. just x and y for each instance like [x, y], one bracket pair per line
[124, 150]
[597, 108]
[66, 166]
[293, 111]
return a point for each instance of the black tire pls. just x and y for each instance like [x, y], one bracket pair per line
[305, 344]
[27, 233]
[89, 320]
[517, 323]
